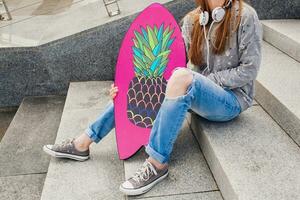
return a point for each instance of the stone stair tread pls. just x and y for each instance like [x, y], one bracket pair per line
[189, 172]
[214, 195]
[100, 176]
[284, 34]
[251, 157]
[278, 89]
[24, 187]
[34, 124]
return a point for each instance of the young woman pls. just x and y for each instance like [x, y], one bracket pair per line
[223, 41]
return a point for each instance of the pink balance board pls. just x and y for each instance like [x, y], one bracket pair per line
[152, 48]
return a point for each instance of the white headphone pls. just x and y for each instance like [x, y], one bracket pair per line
[217, 15]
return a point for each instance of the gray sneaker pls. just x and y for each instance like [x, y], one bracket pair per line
[143, 180]
[66, 150]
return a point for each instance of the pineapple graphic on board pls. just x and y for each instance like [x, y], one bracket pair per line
[146, 90]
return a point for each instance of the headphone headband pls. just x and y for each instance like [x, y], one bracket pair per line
[228, 5]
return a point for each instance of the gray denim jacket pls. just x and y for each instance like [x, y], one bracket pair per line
[237, 68]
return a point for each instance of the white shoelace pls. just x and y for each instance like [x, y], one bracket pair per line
[143, 174]
[64, 144]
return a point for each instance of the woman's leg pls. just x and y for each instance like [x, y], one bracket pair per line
[163, 133]
[78, 149]
[201, 95]
[179, 95]
[97, 130]
[213, 102]
[205, 98]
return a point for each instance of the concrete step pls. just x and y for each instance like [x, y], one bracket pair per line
[22, 187]
[100, 176]
[23, 165]
[189, 172]
[6, 116]
[251, 157]
[284, 35]
[278, 89]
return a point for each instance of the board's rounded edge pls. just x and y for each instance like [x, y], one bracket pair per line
[124, 157]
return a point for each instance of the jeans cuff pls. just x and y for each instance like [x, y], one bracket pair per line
[92, 135]
[154, 154]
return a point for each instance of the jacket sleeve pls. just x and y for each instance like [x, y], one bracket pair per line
[249, 44]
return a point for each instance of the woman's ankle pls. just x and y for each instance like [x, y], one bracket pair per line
[157, 164]
[82, 142]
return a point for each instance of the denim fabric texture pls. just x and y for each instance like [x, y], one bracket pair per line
[104, 123]
[203, 96]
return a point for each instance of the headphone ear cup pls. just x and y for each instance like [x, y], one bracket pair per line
[204, 18]
[218, 14]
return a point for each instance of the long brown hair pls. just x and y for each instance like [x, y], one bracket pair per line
[222, 33]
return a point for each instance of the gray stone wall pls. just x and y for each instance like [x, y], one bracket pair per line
[276, 9]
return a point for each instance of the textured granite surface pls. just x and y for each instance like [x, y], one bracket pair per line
[48, 69]
[35, 124]
[25, 187]
[251, 157]
[280, 73]
[276, 9]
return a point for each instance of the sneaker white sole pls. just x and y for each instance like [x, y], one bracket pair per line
[64, 155]
[142, 190]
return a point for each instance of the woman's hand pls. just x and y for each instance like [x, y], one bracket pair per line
[113, 91]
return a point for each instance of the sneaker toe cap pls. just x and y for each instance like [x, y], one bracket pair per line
[48, 146]
[127, 185]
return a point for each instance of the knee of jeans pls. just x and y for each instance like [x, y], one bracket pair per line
[181, 77]
[188, 95]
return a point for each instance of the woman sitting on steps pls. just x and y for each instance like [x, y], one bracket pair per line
[223, 41]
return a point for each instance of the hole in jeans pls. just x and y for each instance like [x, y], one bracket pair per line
[187, 92]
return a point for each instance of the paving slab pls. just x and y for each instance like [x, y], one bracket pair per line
[14, 5]
[284, 34]
[278, 89]
[251, 157]
[101, 175]
[189, 172]
[90, 95]
[35, 123]
[215, 195]
[42, 22]
[28, 9]
[22, 187]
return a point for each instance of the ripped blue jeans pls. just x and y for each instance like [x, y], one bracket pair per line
[203, 97]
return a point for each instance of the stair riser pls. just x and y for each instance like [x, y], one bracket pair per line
[34, 124]
[282, 42]
[251, 157]
[282, 115]
[213, 162]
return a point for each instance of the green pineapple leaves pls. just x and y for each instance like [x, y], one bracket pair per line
[151, 50]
